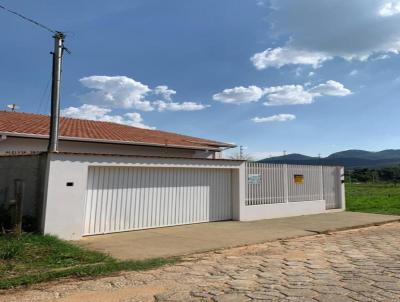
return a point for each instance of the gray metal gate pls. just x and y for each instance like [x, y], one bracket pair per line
[280, 183]
[332, 184]
[125, 198]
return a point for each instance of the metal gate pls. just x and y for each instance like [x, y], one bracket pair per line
[332, 184]
[281, 183]
[126, 198]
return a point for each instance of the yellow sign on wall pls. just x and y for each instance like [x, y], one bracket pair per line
[299, 179]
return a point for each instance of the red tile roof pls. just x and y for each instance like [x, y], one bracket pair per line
[35, 125]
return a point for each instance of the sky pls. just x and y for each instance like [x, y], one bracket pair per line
[304, 76]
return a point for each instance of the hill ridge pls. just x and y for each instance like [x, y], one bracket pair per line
[352, 158]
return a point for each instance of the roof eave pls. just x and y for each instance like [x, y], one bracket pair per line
[80, 139]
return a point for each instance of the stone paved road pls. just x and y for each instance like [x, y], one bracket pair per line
[357, 265]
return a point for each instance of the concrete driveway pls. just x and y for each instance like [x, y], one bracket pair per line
[188, 239]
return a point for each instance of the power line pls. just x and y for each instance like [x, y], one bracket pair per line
[27, 19]
[44, 94]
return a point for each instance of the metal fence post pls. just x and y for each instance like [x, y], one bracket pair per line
[322, 183]
[286, 183]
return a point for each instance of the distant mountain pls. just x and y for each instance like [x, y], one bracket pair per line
[293, 156]
[361, 154]
[349, 159]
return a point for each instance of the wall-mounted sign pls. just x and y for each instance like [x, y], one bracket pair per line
[298, 179]
[254, 179]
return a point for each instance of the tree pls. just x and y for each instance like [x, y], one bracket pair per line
[242, 156]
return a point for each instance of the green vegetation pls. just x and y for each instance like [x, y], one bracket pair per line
[381, 175]
[31, 259]
[373, 198]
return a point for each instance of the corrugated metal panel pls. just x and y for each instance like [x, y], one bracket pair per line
[269, 189]
[331, 177]
[125, 198]
[275, 183]
[310, 189]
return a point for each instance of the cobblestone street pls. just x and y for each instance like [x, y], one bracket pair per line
[356, 265]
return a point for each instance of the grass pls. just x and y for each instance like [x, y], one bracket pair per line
[30, 259]
[373, 198]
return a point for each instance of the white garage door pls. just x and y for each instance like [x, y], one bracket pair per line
[123, 198]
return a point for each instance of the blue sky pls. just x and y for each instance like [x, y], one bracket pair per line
[301, 76]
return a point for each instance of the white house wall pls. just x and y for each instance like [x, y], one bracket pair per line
[64, 205]
[279, 210]
[17, 145]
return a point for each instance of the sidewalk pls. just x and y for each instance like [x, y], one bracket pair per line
[188, 239]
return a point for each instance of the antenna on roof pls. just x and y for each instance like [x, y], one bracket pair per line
[13, 107]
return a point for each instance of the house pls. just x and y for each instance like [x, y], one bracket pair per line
[26, 133]
[110, 178]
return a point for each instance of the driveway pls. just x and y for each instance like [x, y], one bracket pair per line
[188, 239]
[356, 265]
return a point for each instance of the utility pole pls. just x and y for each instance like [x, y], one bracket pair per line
[240, 152]
[55, 91]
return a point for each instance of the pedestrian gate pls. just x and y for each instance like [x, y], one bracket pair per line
[281, 183]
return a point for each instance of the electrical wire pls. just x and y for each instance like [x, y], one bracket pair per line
[44, 95]
[45, 28]
[27, 19]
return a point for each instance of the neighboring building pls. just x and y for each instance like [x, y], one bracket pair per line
[26, 133]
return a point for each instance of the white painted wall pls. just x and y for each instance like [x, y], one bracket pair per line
[279, 210]
[19, 144]
[64, 205]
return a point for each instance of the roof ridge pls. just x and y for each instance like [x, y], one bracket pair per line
[28, 113]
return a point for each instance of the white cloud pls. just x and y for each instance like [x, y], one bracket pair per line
[390, 8]
[330, 88]
[260, 3]
[173, 106]
[126, 93]
[352, 30]
[353, 73]
[275, 118]
[117, 92]
[288, 95]
[239, 95]
[87, 112]
[279, 57]
[165, 92]
[381, 57]
[96, 113]
[298, 94]
[282, 95]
